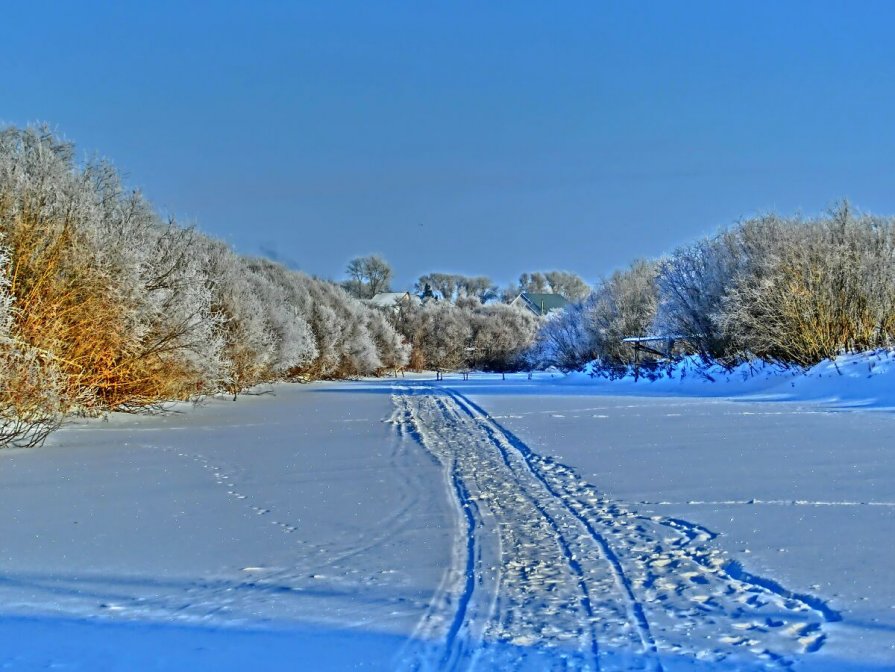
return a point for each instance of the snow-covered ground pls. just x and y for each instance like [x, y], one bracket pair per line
[295, 531]
[559, 523]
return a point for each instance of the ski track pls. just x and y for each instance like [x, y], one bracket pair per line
[548, 574]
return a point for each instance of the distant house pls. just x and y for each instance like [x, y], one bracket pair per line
[395, 300]
[540, 304]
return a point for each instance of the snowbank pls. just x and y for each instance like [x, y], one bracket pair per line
[861, 380]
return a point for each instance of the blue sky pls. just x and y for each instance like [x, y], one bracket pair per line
[485, 138]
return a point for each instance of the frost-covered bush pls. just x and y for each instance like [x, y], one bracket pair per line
[248, 345]
[393, 350]
[502, 337]
[692, 284]
[160, 273]
[114, 296]
[30, 390]
[115, 307]
[440, 334]
[350, 337]
[5, 297]
[564, 339]
[448, 336]
[810, 289]
[294, 347]
[622, 305]
[784, 289]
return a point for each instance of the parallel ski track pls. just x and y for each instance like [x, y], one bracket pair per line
[561, 541]
[548, 574]
[481, 608]
[635, 609]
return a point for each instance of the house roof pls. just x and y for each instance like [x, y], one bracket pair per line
[392, 299]
[541, 304]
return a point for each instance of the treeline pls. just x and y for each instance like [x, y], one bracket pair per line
[453, 321]
[791, 290]
[105, 304]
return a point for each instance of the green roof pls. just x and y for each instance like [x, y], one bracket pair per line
[543, 303]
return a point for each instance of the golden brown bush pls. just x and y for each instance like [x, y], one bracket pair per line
[68, 309]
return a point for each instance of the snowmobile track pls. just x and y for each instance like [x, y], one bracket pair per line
[547, 573]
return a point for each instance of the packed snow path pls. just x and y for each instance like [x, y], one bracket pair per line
[548, 574]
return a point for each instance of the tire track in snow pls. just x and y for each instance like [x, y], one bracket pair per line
[580, 581]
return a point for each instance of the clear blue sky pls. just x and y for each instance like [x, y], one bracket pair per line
[486, 138]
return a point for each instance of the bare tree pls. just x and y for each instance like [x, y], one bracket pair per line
[693, 283]
[568, 285]
[368, 276]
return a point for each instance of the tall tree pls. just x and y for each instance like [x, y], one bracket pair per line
[568, 285]
[368, 276]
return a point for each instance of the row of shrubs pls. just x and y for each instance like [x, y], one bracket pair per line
[105, 304]
[791, 290]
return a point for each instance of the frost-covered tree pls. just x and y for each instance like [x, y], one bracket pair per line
[393, 350]
[568, 285]
[502, 336]
[449, 336]
[622, 305]
[350, 336]
[440, 334]
[692, 284]
[293, 341]
[5, 297]
[564, 339]
[454, 287]
[31, 391]
[367, 277]
[107, 305]
[114, 293]
[249, 345]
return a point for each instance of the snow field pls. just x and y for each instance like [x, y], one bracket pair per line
[528, 525]
[294, 530]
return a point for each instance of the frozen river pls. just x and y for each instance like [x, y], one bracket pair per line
[461, 525]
